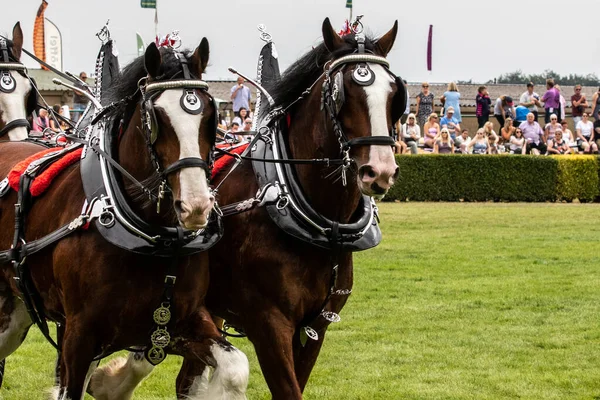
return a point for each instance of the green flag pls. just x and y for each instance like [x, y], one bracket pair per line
[151, 3]
[348, 3]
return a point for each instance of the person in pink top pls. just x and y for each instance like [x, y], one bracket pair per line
[431, 130]
[551, 100]
[41, 122]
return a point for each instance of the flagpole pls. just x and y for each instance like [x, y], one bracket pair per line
[156, 19]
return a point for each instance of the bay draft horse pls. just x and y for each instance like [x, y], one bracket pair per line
[105, 296]
[17, 96]
[266, 283]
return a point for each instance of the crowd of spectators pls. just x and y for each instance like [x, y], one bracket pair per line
[520, 131]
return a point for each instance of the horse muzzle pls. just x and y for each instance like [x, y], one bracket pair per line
[193, 214]
[376, 180]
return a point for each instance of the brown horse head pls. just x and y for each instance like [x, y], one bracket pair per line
[178, 134]
[17, 98]
[369, 111]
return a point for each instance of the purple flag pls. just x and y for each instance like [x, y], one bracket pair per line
[429, 40]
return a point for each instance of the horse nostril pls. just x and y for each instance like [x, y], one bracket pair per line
[368, 171]
[397, 173]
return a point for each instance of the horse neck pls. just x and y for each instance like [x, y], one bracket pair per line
[134, 157]
[309, 136]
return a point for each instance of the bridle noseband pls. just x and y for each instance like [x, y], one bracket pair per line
[8, 84]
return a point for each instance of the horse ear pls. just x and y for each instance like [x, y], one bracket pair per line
[17, 41]
[200, 57]
[152, 60]
[385, 43]
[330, 37]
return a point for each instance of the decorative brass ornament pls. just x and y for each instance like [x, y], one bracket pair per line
[162, 315]
[160, 338]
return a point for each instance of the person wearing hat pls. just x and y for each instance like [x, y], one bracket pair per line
[504, 108]
[451, 122]
[531, 100]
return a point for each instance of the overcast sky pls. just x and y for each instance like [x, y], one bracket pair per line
[472, 39]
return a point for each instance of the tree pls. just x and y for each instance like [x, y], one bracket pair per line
[517, 77]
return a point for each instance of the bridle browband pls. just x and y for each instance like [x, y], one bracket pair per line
[8, 83]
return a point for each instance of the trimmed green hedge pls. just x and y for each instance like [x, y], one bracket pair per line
[499, 178]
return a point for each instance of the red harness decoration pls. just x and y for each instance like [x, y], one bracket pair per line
[226, 160]
[42, 181]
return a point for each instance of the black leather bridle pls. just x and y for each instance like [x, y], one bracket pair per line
[8, 84]
[150, 125]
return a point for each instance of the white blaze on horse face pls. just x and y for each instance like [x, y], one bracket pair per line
[196, 199]
[381, 158]
[12, 106]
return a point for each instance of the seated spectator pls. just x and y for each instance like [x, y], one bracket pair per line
[243, 114]
[246, 128]
[450, 122]
[585, 135]
[431, 130]
[517, 142]
[444, 144]
[462, 141]
[507, 131]
[520, 115]
[479, 143]
[504, 108]
[41, 122]
[400, 147]
[488, 131]
[411, 133]
[557, 145]
[57, 127]
[597, 133]
[551, 128]
[534, 136]
[567, 134]
[232, 132]
[483, 102]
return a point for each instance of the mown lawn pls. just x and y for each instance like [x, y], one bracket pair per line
[460, 301]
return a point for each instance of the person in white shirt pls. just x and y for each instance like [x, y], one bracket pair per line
[585, 130]
[531, 100]
[411, 133]
[461, 143]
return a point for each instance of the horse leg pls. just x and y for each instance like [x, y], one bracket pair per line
[14, 324]
[229, 378]
[118, 379]
[272, 336]
[305, 357]
[77, 362]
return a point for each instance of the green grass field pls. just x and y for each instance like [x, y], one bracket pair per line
[460, 301]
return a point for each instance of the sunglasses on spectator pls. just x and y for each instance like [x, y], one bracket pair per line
[425, 86]
[552, 119]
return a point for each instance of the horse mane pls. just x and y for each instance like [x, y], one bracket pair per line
[304, 72]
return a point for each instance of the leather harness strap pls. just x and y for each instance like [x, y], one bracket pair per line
[17, 123]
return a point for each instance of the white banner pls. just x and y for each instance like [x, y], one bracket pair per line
[53, 41]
